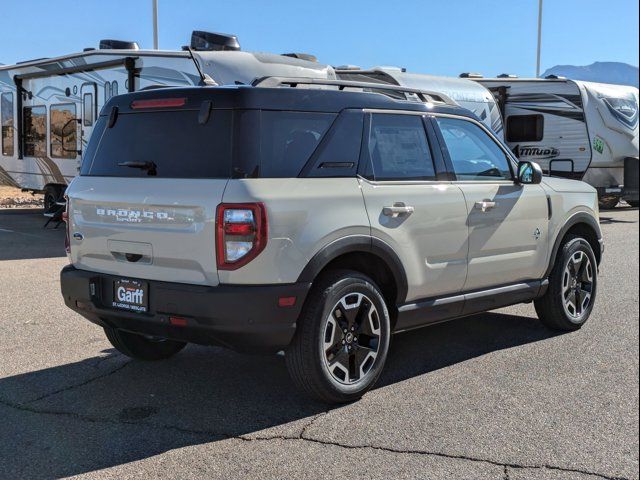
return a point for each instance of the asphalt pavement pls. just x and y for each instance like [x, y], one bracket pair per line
[493, 396]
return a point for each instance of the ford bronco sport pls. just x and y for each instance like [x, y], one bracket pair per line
[317, 221]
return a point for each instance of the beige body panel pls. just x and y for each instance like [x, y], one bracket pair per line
[431, 242]
[507, 242]
[305, 215]
[169, 222]
[568, 198]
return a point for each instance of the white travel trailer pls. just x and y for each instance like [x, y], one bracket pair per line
[49, 106]
[466, 93]
[574, 129]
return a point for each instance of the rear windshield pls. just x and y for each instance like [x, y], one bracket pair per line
[169, 144]
[174, 144]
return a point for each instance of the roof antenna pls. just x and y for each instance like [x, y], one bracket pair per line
[205, 80]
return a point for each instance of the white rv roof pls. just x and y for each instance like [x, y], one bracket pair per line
[228, 67]
[119, 53]
[459, 89]
[591, 85]
[223, 66]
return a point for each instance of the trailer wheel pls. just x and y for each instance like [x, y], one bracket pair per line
[608, 203]
[52, 194]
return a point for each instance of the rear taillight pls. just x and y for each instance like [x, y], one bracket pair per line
[241, 233]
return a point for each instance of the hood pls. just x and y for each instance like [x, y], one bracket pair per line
[565, 185]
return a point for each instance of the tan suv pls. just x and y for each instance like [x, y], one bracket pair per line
[315, 221]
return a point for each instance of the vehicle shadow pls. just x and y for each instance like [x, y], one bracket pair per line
[203, 395]
[23, 236]
[610, 220]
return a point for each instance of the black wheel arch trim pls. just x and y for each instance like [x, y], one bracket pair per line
[355, 244]
[577, 218]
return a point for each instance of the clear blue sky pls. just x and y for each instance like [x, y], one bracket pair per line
[443, 37]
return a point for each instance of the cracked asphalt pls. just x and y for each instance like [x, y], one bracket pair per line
[493, 396]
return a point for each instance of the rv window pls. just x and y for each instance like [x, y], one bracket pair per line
[287, 140]
[87, 109]
[63, 126]
[114, 88]
[474, 154]
[6, 109]
[35, 131]
[525, 128]
[398, 148]
[107, 92]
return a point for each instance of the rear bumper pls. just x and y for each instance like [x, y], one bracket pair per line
[241, 317]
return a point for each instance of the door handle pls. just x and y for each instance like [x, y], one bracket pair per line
[398, 209]
[485, 205]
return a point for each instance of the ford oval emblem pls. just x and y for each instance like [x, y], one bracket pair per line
[78, 236]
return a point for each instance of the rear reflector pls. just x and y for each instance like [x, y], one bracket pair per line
[286, 301]
[178, 321]
[158, 103]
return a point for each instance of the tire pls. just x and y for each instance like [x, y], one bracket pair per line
[140, 347]
[51, 196]
[574, 277]
[325, 362]
[608, 203]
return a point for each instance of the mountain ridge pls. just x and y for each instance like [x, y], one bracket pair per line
[618, 73]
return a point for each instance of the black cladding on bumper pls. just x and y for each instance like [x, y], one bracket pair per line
[242, 317]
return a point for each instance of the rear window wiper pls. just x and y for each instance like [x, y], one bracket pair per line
[150, 167]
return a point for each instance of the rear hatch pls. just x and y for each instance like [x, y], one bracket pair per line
[144, 205]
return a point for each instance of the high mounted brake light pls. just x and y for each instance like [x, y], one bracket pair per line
[241, 233]
[158, 103]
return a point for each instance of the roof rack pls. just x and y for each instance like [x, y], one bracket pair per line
[426, 96]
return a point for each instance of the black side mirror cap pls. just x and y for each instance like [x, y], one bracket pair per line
[529, 173]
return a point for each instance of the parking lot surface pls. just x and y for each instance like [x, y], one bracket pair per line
[492, 396]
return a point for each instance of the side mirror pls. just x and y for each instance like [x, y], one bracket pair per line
[529, 173]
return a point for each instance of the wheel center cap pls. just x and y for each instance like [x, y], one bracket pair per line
[349, 337]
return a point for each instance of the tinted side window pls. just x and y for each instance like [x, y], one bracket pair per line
[174, 141]
[525, 128]
[287, 140]
[6, 109]
[398, 148]
[35, 131]
[475, 155]
[339, 152]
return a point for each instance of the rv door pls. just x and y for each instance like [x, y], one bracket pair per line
[89, 109]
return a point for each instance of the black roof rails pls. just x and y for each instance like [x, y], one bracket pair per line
[423, 95]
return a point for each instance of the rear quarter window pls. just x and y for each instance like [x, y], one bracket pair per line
[288, 139]
[178, 145]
